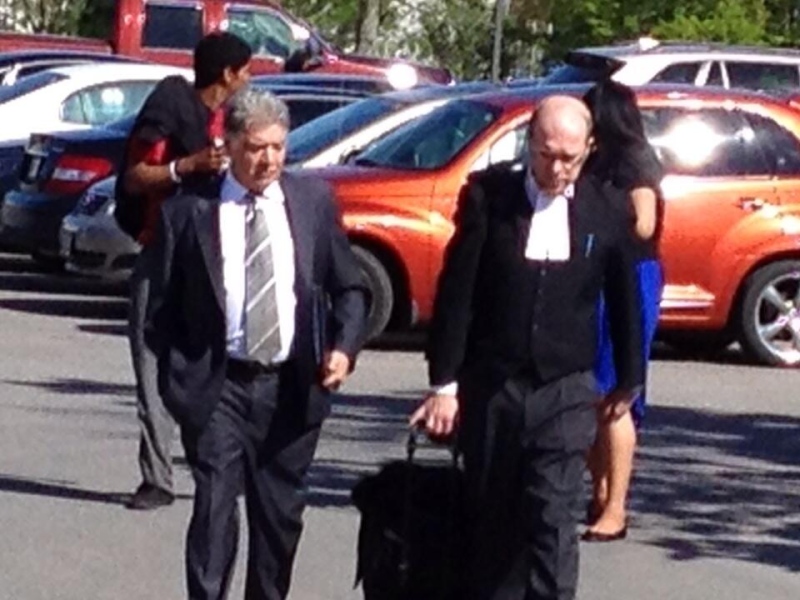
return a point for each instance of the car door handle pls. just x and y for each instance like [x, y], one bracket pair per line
[750, 203]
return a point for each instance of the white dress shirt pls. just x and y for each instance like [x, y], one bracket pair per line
[549, 235]
[232, 210]
[548, 239]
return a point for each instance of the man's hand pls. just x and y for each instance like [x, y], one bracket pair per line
[335, 370]
[208, 160]
[438, 415]
[617, 404]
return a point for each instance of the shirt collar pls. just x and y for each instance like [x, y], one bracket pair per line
[233, 191]
[533, 192]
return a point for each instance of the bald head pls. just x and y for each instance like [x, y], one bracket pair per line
[563, 113]
[560, 135]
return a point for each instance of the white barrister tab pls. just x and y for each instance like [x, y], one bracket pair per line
[549, 237]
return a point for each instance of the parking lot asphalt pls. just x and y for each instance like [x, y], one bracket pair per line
[716, 500]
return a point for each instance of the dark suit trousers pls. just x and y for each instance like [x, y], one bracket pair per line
[525, 455]
[254, 443]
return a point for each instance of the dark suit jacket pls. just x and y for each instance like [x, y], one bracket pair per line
[498, 314]
[186, 324]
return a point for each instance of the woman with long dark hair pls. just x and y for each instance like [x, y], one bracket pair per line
[623, 156]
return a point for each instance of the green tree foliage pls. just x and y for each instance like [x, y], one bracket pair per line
[46, 16]
[97, 19]
[730, 21]
[337, 20]
[458, 33]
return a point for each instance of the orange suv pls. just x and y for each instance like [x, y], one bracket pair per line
[731, 242]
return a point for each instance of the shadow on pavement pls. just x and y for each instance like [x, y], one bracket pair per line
[80, 387]
[20, 273]
[375, 422]
[57, 489]
[720, 485]
[35, 487]
[118, 329]
[379, 425]
[725, 486]
[731, 355]
[109, 309]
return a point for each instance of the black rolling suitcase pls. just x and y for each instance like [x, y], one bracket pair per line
[411, 536]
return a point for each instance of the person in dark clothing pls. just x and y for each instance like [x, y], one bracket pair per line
[172, 145]
[511, 348]
[623, 156]
[257, 311]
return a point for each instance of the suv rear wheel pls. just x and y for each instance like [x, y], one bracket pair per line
[380, 290]
[770, 314]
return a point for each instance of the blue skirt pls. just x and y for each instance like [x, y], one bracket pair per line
[651, 282]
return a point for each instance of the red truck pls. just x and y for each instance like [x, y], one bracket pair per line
[166, 31]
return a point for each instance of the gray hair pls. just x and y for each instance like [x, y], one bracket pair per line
[250, 107]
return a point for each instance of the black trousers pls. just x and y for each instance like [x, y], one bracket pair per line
[525, 455]
[254, 443]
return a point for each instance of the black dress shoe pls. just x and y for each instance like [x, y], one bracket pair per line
[596, 536]
[148, 497]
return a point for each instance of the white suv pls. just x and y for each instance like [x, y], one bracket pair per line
[651, 61]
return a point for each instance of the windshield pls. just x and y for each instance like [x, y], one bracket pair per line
[433, 140]
[28, 85]
[575, 74]
[313, 137]
[124, 125]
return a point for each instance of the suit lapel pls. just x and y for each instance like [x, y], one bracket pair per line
[206, 222]
[301, 225]
[523, 211]
[582, 218]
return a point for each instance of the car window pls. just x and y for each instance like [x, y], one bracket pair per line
[303, 110]
[172, 26]
[715, 75]
[779, 145]
[12, 73]
[28, 85]
[265, 31]
[710, 143]
[433, 140]
[510, 147]
[679, 73]
[312, 138]
[575, 74]
[762, 76]
[103, 104]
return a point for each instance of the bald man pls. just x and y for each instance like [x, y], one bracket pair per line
[512, 347]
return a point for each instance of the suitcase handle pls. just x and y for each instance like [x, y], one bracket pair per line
[412, 444]
[416, 432]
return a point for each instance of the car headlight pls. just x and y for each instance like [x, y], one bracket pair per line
[402, 76]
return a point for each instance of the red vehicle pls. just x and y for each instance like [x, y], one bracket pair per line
[166, 31]
[731, 240]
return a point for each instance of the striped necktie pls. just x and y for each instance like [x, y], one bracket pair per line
[262, 325]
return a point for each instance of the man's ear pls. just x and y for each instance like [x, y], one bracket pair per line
[228, 75]
[590, 144]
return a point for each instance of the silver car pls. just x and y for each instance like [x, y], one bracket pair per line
[90, 240]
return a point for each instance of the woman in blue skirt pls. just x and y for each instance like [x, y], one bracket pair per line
[623, 156]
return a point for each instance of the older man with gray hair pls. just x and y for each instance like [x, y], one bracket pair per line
[257, 311]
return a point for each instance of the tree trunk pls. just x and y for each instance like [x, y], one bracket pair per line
[369, 19]
[501, 10]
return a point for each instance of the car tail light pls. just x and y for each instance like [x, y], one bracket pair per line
[73, 174]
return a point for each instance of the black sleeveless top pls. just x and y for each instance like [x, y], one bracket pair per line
[628, 169]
